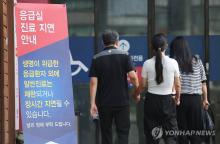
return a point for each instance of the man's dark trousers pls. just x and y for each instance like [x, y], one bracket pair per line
[121, 117]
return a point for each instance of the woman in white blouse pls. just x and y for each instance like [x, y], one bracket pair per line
[159, 75]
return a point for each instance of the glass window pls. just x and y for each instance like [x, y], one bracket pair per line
[214, 17]
[128, 17]
[80, 16]
[81, 28]
[214, 27]
[183, 17]
[81, 25]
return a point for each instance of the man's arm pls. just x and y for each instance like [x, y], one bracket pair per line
[134, 80]
[93, 89]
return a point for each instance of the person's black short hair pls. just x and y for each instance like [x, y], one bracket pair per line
[110, 37]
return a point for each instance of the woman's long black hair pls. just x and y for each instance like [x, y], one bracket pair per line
[159, 44]
[179, 50]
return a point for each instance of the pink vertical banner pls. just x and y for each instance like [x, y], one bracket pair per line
[33, 1]
[44, 74]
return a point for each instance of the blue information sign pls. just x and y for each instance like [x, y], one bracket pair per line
[82, 50]
[214, 58]
[46, 95]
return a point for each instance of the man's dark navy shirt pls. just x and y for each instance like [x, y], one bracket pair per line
[111, 67]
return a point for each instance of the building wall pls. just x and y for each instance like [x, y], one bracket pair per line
[7, 133]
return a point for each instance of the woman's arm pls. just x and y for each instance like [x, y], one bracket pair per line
[204, 94]
[140, 88]
[177, 86]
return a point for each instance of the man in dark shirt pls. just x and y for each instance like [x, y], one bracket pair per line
[109, 88]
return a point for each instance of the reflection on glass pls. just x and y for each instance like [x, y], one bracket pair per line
[81, 23]
[81, 17]
[128, 17]
[214, 17]
[214, 27]
[183, 17]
